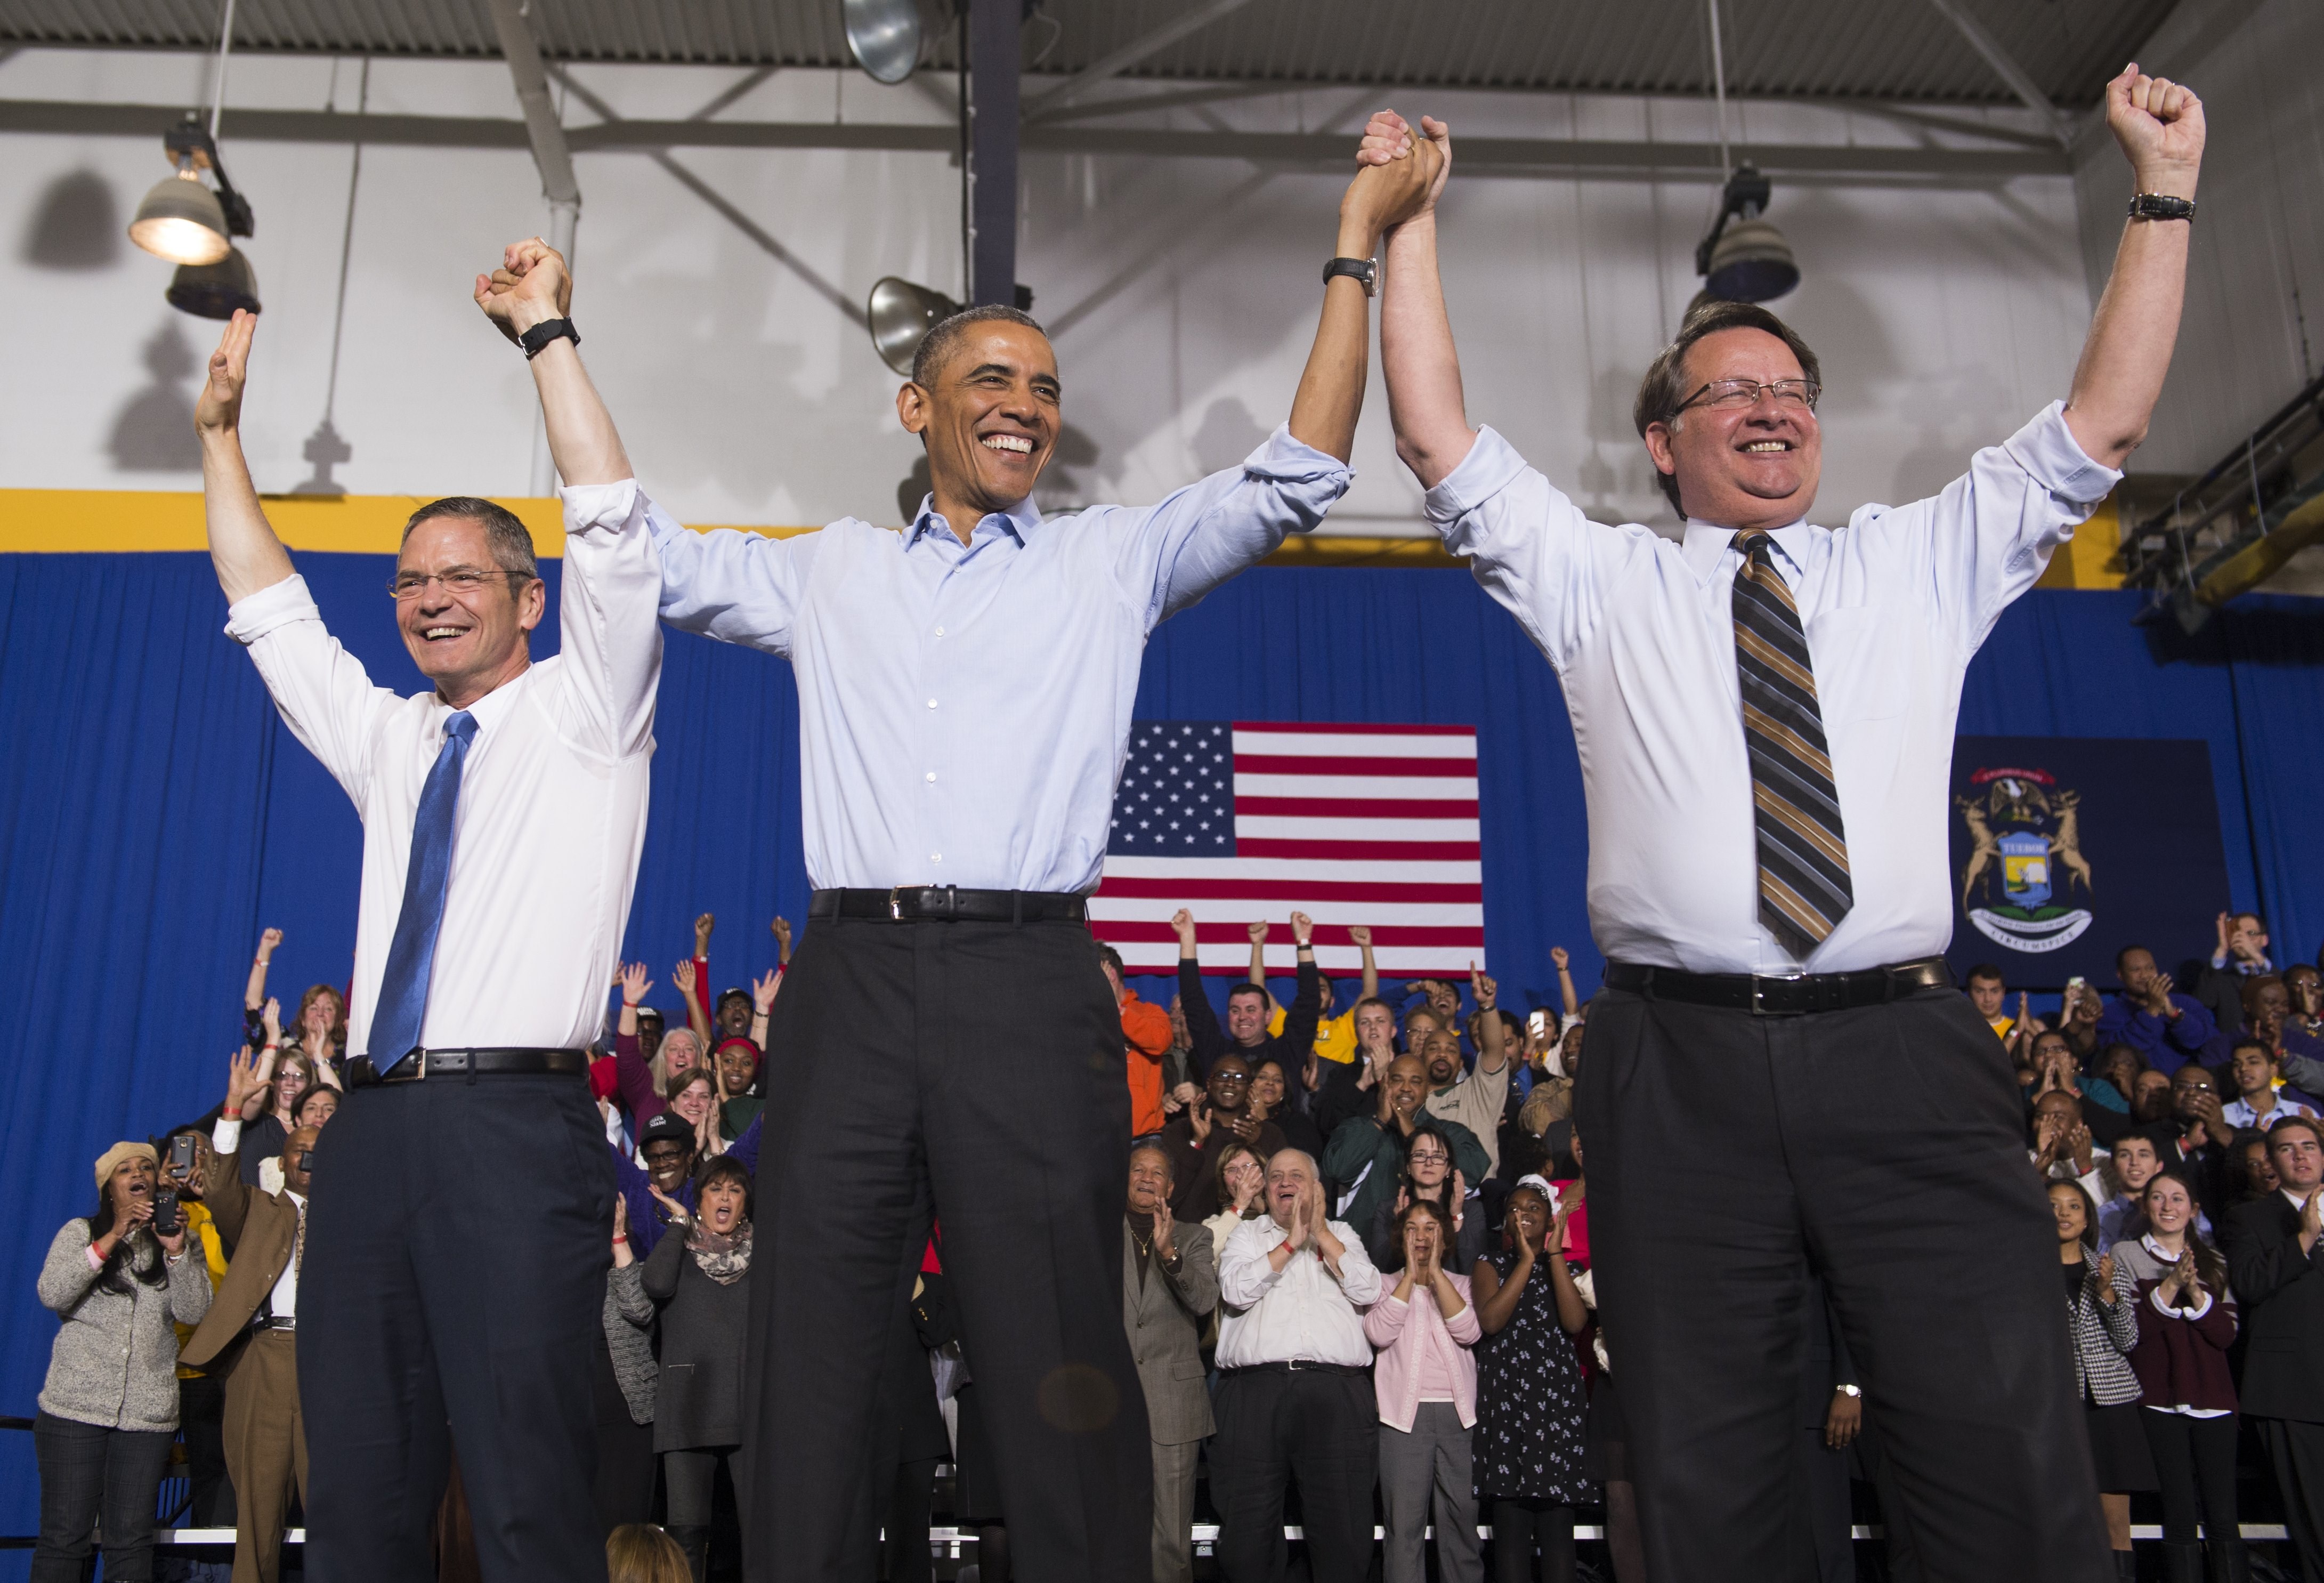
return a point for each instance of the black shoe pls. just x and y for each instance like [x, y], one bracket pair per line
[2183, 1561]
[2228, 1560]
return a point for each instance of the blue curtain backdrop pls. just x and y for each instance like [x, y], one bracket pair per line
[154, 814]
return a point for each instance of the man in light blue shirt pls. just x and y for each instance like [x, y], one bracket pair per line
[964, 697]
[1764, 712]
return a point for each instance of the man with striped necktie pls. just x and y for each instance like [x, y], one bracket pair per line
[1766, 711]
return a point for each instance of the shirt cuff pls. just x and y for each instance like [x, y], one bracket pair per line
[2189, 1315]
[1294, 461]
[599, 506]
[2046, 448]
[249, 619]
[96, 1259]
[225, 1137]
[1491, 464]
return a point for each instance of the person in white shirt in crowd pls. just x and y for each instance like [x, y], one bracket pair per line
[1765, 709]
[108, 1409]
[1475, 1098]
[2252, 1068]
[1294, 1400]
[503, 811]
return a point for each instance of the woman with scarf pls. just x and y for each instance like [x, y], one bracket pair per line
[699, 1282]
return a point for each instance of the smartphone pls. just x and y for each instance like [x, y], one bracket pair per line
[1538, 1026]
[181, 1152]
[306, 1161]
[166, 1222]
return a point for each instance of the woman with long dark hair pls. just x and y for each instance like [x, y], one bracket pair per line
[700, 1282]
[1527, 1447]
[2178, 1287]
[2104, 1328]
[109, 1408]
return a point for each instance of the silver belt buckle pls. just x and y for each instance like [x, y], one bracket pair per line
[896, 903]
[1758, 1008]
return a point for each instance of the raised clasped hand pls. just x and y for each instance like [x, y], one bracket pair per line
[530, 287]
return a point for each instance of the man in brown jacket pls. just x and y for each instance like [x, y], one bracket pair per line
[250, 1335]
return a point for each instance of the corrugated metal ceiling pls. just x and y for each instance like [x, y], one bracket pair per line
[1852, 48]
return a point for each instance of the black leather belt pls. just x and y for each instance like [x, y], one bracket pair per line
[948, 904]
[421, 1064]
[1791, 994]
[1299, 1365]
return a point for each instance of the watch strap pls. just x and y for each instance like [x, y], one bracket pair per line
[2155, 206]
[1364, 272]
[536, 340]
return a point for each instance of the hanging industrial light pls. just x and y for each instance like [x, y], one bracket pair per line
[184, 221]
[884, 36]
[901, 314]
[1748, 261]
[214, 290]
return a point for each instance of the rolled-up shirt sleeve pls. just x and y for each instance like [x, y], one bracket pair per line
[1530, 546]
[735, 587]
[323, 693]
[1987, 536]
[1168, 556]
[607, 612]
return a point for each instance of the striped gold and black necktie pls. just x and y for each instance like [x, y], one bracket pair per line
[1803, 881]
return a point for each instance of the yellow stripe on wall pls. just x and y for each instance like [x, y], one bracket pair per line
[34, 521]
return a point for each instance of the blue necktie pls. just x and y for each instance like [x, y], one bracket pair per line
[411, 954]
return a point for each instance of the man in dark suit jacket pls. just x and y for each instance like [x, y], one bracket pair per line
[1169, 1281]
[251, 1335]
[2273, 1261]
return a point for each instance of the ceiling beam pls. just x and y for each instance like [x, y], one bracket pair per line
[2005, 66]
[543, 131]
[1113, 65]
[1813, 163]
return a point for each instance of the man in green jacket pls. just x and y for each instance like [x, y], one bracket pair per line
[1364, 1160]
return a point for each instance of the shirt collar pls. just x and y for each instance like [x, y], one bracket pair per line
[1021, 520]
[1706, 544]
[2157, 1249]
[2298, 1200]
[490, 711]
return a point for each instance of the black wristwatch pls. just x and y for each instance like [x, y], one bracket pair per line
[536, 340]
[1365, 272]
[2154, 205]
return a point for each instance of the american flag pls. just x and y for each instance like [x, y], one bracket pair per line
[1242, 820]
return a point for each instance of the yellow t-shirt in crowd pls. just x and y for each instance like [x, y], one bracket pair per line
[1335, 1037]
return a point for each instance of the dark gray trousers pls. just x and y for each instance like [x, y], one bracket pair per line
[1727, 1152]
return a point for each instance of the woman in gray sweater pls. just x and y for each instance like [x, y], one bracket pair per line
[109, 1408]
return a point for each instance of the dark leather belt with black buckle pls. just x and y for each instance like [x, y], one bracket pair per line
[422, 1064]
[1299, 1365]
[948, 904]
[1790, 995]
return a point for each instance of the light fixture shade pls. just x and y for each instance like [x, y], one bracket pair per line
[901, 315]
[181, 220]
[214, 290]
[1751, 262]
[884, 35]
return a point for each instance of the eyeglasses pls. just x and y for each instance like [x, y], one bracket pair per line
[1420, 1157]
[459, 580]
[1229, 1078]
[1733, 395]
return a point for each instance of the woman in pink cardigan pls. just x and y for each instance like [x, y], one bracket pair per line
[1426, 1383]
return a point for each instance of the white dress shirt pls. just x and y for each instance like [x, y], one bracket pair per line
[552, 809]
[1299, 1311]
[1639, 631]
[964, 710]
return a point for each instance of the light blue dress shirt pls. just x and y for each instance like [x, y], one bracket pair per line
[1639, 630]
[964, 710]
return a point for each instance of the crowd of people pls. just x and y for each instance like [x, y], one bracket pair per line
[1356, 1282]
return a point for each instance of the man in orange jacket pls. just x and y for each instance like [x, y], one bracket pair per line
[1144, 1034]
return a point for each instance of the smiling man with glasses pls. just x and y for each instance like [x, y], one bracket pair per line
[1766, 710]
[504, 810]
